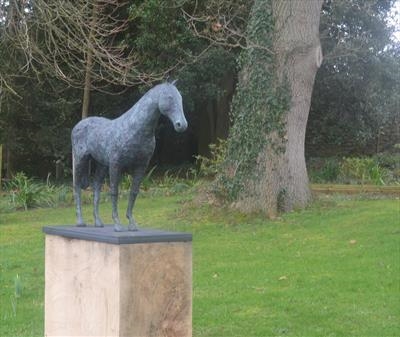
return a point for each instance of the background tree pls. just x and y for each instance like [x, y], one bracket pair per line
[39, 46]
[357, 88]
[10, 78]
[162, 43]
[265, 166]
[81, 42]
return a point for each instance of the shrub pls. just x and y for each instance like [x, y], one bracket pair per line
[323, 170]
[147, 181]
[390, 161]
[26, 193]
[61, 195]
[362, 170]
[210, 166]
[381, 169]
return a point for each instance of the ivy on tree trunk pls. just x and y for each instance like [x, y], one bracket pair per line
[265, 166]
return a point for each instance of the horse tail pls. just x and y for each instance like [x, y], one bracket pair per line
[80, 171]
[74, 161]
[80, 165]
[73, 169]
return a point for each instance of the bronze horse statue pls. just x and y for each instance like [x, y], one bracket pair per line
[121, 145]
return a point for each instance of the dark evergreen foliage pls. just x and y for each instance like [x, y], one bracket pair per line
[356, 93]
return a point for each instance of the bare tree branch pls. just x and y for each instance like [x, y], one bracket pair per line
[60, 35]
[222, 23]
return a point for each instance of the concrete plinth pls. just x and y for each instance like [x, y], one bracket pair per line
[131, 284]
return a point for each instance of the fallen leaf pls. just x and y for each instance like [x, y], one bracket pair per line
[353, 242]
[282, 278]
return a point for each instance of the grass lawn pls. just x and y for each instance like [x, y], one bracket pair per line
[330, 270]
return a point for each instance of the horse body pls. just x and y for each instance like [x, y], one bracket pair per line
[124, 144]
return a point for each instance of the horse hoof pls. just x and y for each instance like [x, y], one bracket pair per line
[81, 224]
[99, 224]
[132, 228]
[118, 228]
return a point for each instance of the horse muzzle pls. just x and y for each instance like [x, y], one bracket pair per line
[180, 125]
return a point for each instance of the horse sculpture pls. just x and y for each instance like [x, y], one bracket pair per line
[124, 144]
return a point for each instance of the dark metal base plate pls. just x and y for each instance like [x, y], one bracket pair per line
[108, 235]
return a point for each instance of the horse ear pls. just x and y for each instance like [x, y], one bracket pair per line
[174, 82]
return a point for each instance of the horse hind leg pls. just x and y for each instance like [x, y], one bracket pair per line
[80, 180]
[98, 180]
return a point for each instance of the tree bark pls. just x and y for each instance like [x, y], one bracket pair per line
[282, 183]
[87, 85]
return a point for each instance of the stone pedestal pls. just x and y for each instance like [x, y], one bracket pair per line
[126, 284]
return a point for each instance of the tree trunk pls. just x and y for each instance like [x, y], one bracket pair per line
[89, 63]
[281, 182]
[88, 85]
[299, 56]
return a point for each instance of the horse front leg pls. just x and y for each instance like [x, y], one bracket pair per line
[98, 180]
[115, 175]
[137, 177]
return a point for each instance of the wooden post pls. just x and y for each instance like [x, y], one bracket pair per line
[105, 283]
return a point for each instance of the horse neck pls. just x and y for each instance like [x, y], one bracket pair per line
[145, 112]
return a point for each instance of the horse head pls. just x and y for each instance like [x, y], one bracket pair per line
[170, 105]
